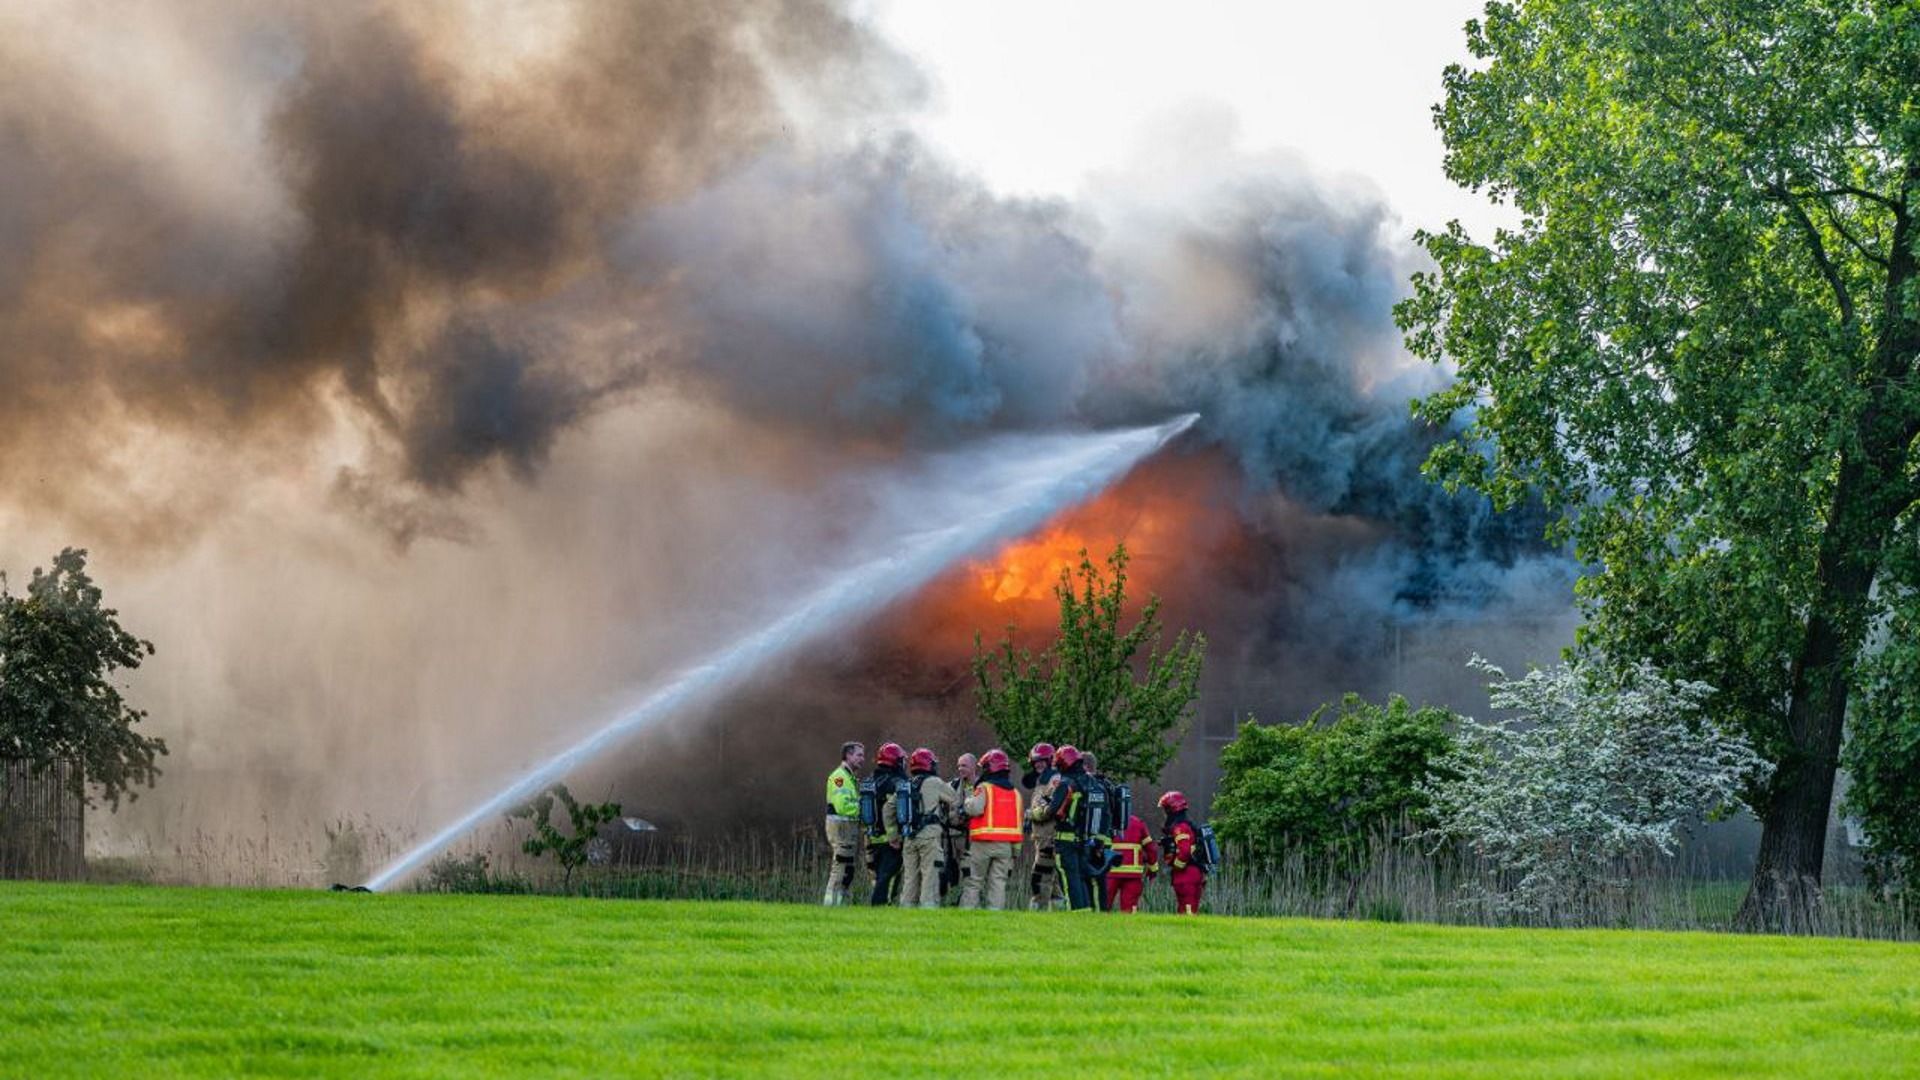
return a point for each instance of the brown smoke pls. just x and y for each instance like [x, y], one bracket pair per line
[426, 377]
[422, 242]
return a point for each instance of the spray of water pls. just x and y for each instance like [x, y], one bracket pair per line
[983, 495]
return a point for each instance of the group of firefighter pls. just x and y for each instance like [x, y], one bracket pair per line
[923, 835]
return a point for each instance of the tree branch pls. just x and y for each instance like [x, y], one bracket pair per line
[1833, 189]
[1819, 249]
[1833, 218]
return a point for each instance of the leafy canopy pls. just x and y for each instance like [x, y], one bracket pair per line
[1083, 688]
[1883, 760]
[59, 648]
[1699, 343]
[1329, 785]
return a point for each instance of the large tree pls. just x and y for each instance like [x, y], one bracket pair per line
[1699, 346]
[59, 648]
[1092, 688]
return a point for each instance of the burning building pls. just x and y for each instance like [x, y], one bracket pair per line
[424, 380]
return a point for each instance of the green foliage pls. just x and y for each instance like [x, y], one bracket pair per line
[1083, 689]
[1699, 344]
[1591, 773]
[570, 850]
[225, 982]
[1883, 759]
[451, 873]
[1330, 784]
[58, 648]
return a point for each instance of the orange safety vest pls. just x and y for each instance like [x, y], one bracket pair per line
[1000, 822]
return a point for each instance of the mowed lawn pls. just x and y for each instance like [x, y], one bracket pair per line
[148, 982]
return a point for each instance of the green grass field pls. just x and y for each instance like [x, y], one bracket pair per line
[148, 982]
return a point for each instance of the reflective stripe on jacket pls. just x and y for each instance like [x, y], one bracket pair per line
[999, 821]
[1068, 813]
[1137, 850]
[843, 792]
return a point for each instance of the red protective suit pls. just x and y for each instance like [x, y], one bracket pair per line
[1139, 858]
[1189, 881]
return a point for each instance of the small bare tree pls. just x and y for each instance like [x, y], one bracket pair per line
[570, 851]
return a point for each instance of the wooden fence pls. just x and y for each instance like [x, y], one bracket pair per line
[42, 822]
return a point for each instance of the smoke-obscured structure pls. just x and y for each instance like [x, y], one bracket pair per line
[425, 378]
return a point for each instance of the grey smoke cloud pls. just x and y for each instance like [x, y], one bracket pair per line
[410, 208]
[432, 372]
[877, 291]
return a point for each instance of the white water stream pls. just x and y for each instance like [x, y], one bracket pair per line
[965, 500]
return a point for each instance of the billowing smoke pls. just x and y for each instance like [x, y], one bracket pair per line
[406, 212]
[425, 377]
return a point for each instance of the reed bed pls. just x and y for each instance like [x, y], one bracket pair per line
[1391, 881]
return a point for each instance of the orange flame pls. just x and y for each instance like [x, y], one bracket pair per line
[1170, 513]
[1029, 569]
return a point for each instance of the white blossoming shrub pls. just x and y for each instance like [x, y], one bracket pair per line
[1590, 769]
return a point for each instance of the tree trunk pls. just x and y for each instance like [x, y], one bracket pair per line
[1784, 895]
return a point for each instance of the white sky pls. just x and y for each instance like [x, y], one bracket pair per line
[1038, 94]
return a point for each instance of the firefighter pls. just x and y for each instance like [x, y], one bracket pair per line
[843, 822]
[1180, 841]
[966, 770]
[1066, 808]
[1139, 862]
[1044, 883]
[932, 801]
[883, 837]
[993, 832]
[1099, 848]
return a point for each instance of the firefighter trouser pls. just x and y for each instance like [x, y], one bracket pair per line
[1123, 891]
[1099, 884]
[884, 860]
[959, 862]
[1045, 881]
[990, 865]
[1078, 875]
[1187, 893]
[924, 858]
[843, 838]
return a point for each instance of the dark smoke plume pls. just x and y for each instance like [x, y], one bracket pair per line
[433, 374]
[409, 209]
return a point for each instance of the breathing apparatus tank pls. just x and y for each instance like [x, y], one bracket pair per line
[870, 807]
[906, 807]
[1094, 813]
[1122, 806]
[1209, 850]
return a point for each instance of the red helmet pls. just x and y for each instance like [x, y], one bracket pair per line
[1173, 802]
[1042, 751]
[1066, 758]
[922, 760]
[888, 755]
[995, 760]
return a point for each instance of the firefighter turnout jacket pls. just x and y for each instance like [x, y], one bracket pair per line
[1139, 855]
[993, 811]
[886, 781]
[843, 793]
